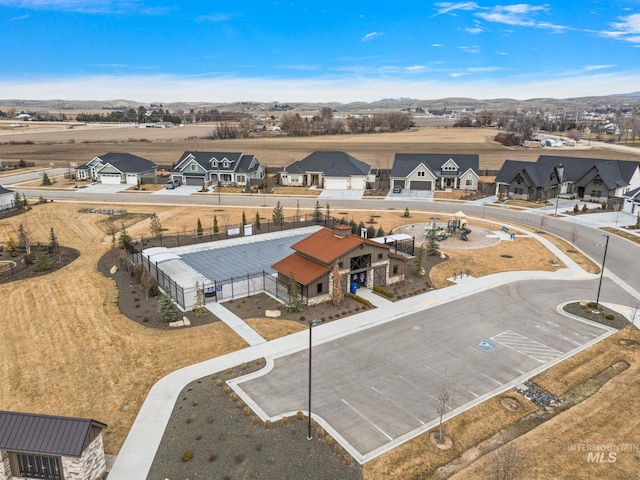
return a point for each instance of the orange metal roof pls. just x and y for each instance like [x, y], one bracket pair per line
[326, 247]
[304, 270]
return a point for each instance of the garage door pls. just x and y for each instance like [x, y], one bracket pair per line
[197, 181]
[420, 185]
[110, 179]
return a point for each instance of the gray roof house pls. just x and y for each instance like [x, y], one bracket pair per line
[50, 447]
[589, 179]
[328, 170]
[118, 168]
[7, 198]
[631, 202]
[431, 171]
[210, 168]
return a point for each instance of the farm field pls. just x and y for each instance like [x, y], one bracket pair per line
[164, 146]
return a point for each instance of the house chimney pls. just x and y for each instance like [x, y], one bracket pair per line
[341, 230]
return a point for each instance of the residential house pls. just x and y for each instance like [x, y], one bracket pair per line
[631, 203]
[210, 168]
[118, 168]
[7, 198]
[359, 260]
[50, 447]
[328, 170]
[587, 179]
[432, 171]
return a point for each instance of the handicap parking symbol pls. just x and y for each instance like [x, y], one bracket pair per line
[486, 345]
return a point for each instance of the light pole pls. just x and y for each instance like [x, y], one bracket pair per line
[604, 259]
[559, 174]
[312, 324]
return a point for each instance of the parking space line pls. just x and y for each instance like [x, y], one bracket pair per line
[366, 419]
[471, 368]
[396, 404]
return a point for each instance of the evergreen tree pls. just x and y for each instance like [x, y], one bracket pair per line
[46, 181]
[41, 260]
[317, 214]
[169, 311]
[17, 201]
[258, 225]
[24, 200]
[124, 236]
[380, 232]
[11, 247]
[360, 228]
[371, 231]
[433, 247]
[216, 229]
[244, 220]
[199, 228]
[327, 215]
[278, 214]
[406, 213]
[419, 258]
[53, 241]
[295, 301]
[354, 226]
[297, 210]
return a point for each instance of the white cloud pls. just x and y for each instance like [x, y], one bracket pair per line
[88, 6]
[215, 17]
[371, 36]
[437, 45]
[628, 29]
[474, 30]
[450, 7]
[470, 49]
[520, 15]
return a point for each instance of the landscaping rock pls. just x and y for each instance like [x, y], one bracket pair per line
[272, 313]
[537, 395]
[179, 323]
[113, 270]
[186, 321]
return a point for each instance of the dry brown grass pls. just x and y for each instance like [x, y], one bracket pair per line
[271, 329]
[525, 253]
[418, 456]
[622, 233]
[607, 417]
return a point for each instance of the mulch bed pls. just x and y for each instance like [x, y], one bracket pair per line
[226, 444]
[618, 321]
[22, 271]
[133, 301]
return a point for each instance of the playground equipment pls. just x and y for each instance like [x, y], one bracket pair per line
[458, 225]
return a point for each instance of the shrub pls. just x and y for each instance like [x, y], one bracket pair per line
[219, 382]
[239, 404]
[347, 460]
[585, 209]
[234, 396]
[337, 449]
[243, 366]
[267, 424]
[361, 300]
[246, 411]
[299, 415]
[383, 291]
[254, 420]
[187, 456]
[319, 431]
[285, 421]
[610, 316]
[328, 440]
[227, 389]
[576, 209]
[258, 361]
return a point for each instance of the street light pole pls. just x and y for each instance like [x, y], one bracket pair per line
[559, 174]
[604, 259]
[312, 324]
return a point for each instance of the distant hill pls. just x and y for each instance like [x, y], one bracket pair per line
[630, 100]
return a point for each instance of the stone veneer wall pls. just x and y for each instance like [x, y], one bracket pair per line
[90, 466]
[5, 468]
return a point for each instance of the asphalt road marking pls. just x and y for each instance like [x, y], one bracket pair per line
[366, 419]
[471, 368]
[524, 345]
[400, 407]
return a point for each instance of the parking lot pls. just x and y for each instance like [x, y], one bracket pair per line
[376, 388]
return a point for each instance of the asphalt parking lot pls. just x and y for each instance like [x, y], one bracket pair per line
[375, 388]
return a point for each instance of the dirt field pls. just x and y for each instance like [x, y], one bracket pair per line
[165, 146]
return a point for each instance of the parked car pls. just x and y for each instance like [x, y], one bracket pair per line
[397, 189]
[173, 183]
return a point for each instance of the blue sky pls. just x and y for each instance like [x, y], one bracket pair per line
[287, 51]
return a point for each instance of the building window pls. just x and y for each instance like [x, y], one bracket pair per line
[395, 269]
[468, 183]
[340, 264]
[596, 193]
[38, 466]
[240, 179]
[379, 256]
[517, 191]
[421, 174]
[319, 288]
[194, 167]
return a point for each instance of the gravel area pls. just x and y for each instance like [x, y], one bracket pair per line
[615, 320]
[226, 443]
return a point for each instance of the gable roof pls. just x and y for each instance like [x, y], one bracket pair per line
[126, 162]
[633, 194]
[405, 163]
[4, 190]
[240, 162]
[325, 246]
[304, 270]
[330, 164]
[46, 434]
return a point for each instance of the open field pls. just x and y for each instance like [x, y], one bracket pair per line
[165, 146]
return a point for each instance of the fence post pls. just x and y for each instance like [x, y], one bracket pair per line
[231, 287]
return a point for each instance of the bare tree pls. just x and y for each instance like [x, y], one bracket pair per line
[543, 221]
[575, 233]
[507, 462]
[147, 281]
[444, 397]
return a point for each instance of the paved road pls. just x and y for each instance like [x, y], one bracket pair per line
[373, 394]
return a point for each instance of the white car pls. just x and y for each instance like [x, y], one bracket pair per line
[171, 184]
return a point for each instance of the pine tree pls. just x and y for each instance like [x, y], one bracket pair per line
[53, 241]
[199, 228]
[11, 247]
[354, 226]
[169, 311]
[216, 229]
[244, 220]
[41, 260]
[278, 214]
[258, 225]
[317, 214]
[124, 237]
[17, 201]
[297, 210]
[327, 215]
[371, 231]
[46, 181]
[380, 232]
[295, 301]
[433, 247]
[419, 258]
[406, 213]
